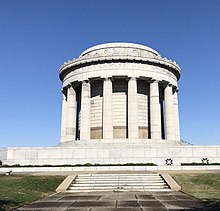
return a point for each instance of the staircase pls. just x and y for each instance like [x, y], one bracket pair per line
[118, 182]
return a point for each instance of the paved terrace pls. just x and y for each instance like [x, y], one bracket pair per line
[120, 201]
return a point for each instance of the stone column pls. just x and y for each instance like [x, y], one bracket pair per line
[107, 109]
[176, 115]
[169, 113]
[132, 109]
[155, 115]
[63, 120]
[71, 115]
[85, 111]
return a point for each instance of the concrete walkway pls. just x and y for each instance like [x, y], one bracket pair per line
[121, 201]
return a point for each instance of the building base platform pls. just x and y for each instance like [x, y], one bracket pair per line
[161, 153]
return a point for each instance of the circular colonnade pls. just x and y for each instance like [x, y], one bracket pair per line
[120, 91]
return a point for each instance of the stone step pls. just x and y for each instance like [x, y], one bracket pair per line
[121, 180]
[120, 190]
[121, 177]
[118, 182]
[115, 180]
[119, 187]
[108, 175]
[115, 176]
[159, 190]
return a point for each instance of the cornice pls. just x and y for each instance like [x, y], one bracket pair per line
[156, 60]
[122, 54]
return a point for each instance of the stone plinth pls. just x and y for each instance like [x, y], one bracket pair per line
[120, 152]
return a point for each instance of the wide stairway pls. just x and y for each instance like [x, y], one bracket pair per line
[118, 182]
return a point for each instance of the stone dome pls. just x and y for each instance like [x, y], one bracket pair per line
[120, 49]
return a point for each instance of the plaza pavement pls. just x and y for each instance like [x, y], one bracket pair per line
[118, 201]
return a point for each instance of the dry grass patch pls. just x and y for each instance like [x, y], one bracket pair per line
[205, 186]
[16, 191]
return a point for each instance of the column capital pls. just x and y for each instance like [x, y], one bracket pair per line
[64, 95]
[86, 81]
[169, 85]
[154, 81]
[133, 79]
[176, 89]
[107, 79]
[71, 91]
[63, 90]
[69, 86]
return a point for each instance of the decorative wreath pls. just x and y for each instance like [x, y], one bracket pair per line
[205, 160]
[169, 162]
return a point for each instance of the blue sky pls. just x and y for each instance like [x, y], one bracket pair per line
[36, 37]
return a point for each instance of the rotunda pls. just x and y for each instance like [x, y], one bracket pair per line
[118, 91]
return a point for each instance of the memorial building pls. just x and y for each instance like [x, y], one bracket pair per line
[120, 91]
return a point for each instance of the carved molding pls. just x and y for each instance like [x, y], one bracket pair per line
[120, 53]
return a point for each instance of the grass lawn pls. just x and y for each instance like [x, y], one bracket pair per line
[205, 186]
[16, 191]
